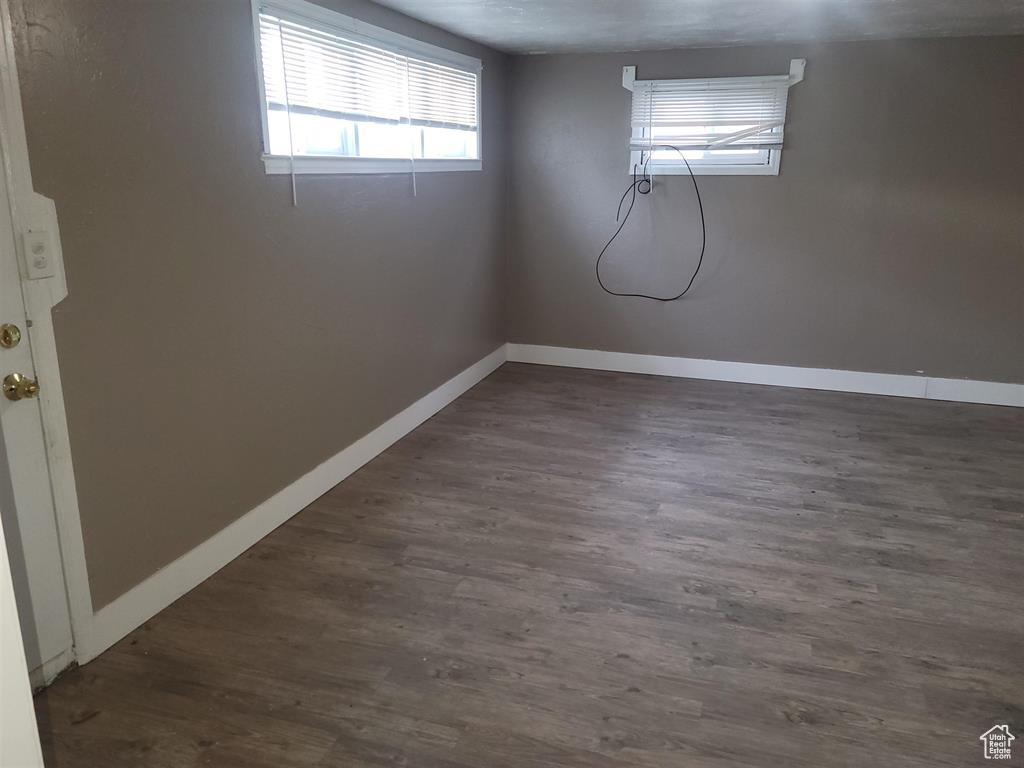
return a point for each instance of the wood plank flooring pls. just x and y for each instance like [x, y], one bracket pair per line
[574, 568]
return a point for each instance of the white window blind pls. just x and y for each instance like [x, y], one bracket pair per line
[336, 92]
[719, 125]
[727, 113]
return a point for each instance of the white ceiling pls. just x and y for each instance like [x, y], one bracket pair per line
[543, 26]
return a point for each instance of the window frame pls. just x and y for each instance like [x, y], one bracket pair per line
[309, 13]
[702, 167]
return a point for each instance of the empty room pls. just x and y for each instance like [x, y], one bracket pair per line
[512, 383]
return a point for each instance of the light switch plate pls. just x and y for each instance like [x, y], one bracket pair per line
[39, 256]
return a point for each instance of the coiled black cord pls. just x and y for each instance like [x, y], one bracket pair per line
[642, 185]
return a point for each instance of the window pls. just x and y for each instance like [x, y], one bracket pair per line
[721, 126]
[341, 96]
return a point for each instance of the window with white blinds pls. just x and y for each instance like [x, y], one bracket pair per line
[722, 125]
[341, 95]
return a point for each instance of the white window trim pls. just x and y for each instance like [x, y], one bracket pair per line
[771, 168]
[300, 10]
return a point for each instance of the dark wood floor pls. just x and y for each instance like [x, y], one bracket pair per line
[571, 568]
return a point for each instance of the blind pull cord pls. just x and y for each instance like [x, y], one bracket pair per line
[412, 142]
[650, 138]
[288, 112]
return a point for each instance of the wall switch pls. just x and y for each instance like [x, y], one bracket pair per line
[38, 255]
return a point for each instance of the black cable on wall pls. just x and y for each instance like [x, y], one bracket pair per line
[643, 185]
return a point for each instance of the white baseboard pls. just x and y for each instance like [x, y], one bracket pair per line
[47, 672]
[142, 602]
[898, 385]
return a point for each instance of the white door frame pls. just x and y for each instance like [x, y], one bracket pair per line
[19, 734]
[32, 212]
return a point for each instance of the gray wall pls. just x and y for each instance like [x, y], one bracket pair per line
[892, 241]
[218, 343]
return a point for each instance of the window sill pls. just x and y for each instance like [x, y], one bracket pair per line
[715, 170]
[278, 164]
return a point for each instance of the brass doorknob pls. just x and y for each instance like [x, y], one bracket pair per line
[10, 335]
[18, 387]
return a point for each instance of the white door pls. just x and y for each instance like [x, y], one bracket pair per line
[19, 739]
[29, 520]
